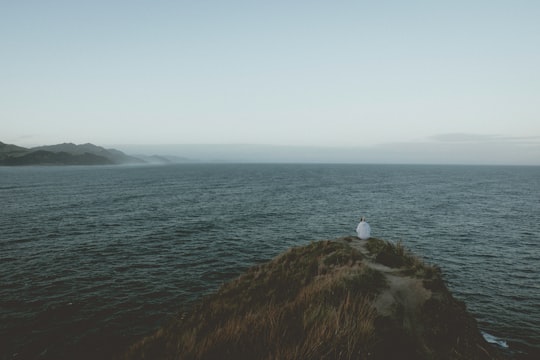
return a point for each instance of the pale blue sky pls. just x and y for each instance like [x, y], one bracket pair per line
[309, 73]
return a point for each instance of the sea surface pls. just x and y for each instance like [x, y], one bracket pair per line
[93, 258]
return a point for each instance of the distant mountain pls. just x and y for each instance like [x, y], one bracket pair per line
[41, 157]
[115, 156]
[63, 154]
[11, 149]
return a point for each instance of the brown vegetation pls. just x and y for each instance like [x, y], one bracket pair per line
[327, 300]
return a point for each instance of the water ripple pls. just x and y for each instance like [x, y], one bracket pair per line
[94, 256]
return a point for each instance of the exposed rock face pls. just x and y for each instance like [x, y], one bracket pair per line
[341, 299]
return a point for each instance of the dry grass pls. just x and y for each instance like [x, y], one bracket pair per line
[397, 256]
[316, 302]
[310, 302]
[287, 332]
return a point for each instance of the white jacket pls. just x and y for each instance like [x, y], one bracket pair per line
[363, 230]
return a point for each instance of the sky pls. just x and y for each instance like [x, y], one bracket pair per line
[417, 81]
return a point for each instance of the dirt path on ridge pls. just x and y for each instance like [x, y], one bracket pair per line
[405, 292]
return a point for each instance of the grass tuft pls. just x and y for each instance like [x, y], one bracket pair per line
[318, 302]
[397, 256]
[310, 302]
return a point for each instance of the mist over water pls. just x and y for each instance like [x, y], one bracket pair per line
[95, 257]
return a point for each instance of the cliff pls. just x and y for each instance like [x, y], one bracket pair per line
[340, 299]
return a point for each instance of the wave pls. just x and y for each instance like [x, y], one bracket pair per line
[495, 340]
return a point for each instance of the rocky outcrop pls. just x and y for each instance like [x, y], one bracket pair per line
[340, 299]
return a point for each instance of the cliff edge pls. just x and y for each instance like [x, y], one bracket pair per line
[339, 299]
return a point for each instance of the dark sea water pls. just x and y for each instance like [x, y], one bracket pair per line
[93, 258]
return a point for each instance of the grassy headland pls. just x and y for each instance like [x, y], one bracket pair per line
[340, 299]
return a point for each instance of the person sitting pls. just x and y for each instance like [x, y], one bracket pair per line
[363, 229]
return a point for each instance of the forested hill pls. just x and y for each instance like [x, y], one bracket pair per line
[63, 154]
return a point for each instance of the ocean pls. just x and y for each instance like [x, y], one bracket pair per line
[94, 258]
